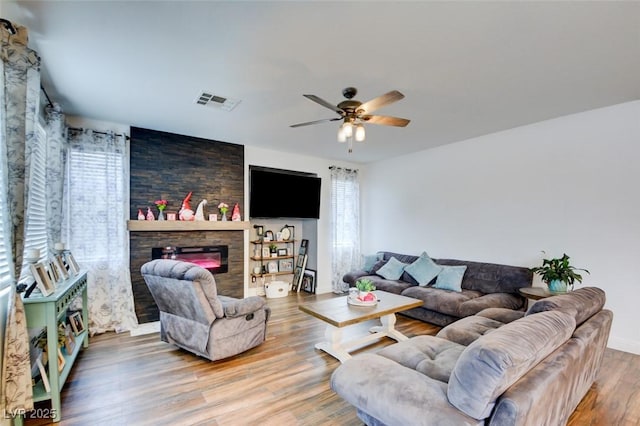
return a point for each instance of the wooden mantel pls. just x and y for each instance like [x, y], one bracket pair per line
[177, 225]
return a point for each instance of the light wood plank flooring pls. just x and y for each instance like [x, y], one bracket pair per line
[124, 380]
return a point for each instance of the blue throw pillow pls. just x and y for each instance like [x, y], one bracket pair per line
[392, 270]
[450, 278]
[370, 260]
[423, 270]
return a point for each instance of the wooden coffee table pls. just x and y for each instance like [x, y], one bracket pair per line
[337, 313]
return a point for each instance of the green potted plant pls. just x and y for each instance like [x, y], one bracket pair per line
[365, 286]
[273, 249]
[558, 274]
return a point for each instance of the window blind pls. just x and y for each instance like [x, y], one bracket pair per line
[36, 211]
[94, 171]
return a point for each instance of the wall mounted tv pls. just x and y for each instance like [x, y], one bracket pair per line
[275, 193]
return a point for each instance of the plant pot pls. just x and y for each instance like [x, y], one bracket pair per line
[557, 286]
[363, 294]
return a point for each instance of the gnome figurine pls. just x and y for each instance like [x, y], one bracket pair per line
[140, 215]
[185, 212]
[150, 215]
[235, 216]
[200, 210]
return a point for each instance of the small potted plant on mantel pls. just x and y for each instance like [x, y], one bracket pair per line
[365, 286]
[273, 249]
[558, 274]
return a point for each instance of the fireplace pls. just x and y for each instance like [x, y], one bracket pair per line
[213, 258]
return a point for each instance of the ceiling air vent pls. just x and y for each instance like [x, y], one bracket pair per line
[215, 101]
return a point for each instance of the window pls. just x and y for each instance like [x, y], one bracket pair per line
[36, 212]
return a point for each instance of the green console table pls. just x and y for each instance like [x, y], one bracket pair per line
[48, 312]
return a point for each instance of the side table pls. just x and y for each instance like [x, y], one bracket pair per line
[535, 293]
[47, 311]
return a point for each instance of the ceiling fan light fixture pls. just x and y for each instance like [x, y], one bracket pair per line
[342, 138]
[347, 129]
[360, 133]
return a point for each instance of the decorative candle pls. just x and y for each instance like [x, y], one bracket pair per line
[33, 254]
[58, 246]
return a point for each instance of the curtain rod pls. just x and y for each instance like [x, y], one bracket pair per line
[342, 168]
[79, 129]
[46, 96]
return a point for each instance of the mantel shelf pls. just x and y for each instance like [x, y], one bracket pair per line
[177, 225]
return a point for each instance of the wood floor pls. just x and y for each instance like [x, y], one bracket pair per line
[124, 380]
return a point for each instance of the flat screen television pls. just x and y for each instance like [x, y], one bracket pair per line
[275, 193]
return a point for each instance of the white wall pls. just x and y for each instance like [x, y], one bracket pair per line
[563, 185]
[290, 161]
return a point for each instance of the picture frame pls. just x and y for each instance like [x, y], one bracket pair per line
[285, 265]
[69, 339]
[282, 252]
[301, 260]
[278, 236]
[266, 252]
[272, 267]
[309, 281]
[40, 274]
[73, 265]
[53, 273]
[61, 361]
[60, 266]
[43, 374]
[75, 319]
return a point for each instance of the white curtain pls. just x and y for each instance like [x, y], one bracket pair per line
[94, 225]
[345, 225]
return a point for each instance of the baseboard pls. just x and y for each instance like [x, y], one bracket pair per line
[624, 345]
[146, 328]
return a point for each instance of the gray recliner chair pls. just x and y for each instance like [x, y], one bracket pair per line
[194, 317]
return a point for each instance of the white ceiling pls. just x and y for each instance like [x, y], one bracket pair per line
[466, 68]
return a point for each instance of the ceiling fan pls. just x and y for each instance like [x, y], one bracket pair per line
[354, 114]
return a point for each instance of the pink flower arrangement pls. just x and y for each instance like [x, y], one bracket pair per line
[224, 207]
[161, 204]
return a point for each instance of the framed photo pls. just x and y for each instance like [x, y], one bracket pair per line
[302, 260]
[73, 265]
[69, 340]
[39, 272]
[272, 267]
[286, 265]
[297, 276]
[309, 281]
[61, 360]
[43, 374]
[278, 236]
[266, 252]
[58, 261]
[53, 273]
[76, 322]
[282, 252]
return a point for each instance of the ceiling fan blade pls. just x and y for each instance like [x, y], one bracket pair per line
[379, 102]
[385, 120]
[316, 122]
[324, 103]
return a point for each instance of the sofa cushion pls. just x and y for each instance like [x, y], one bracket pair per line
[391, 286]
[443, 301]
[467, 330]
[582, 303]
[495, 361]
[431, 356]
[490, 277]
[392, 270]
[450, 278]
[369, 261]
[423, 270]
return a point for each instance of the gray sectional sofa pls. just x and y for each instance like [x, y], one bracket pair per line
[484, 285]
[499, 367]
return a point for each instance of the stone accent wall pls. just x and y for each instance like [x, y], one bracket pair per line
[169, 166]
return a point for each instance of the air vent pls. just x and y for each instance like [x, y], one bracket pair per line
[215, 101]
